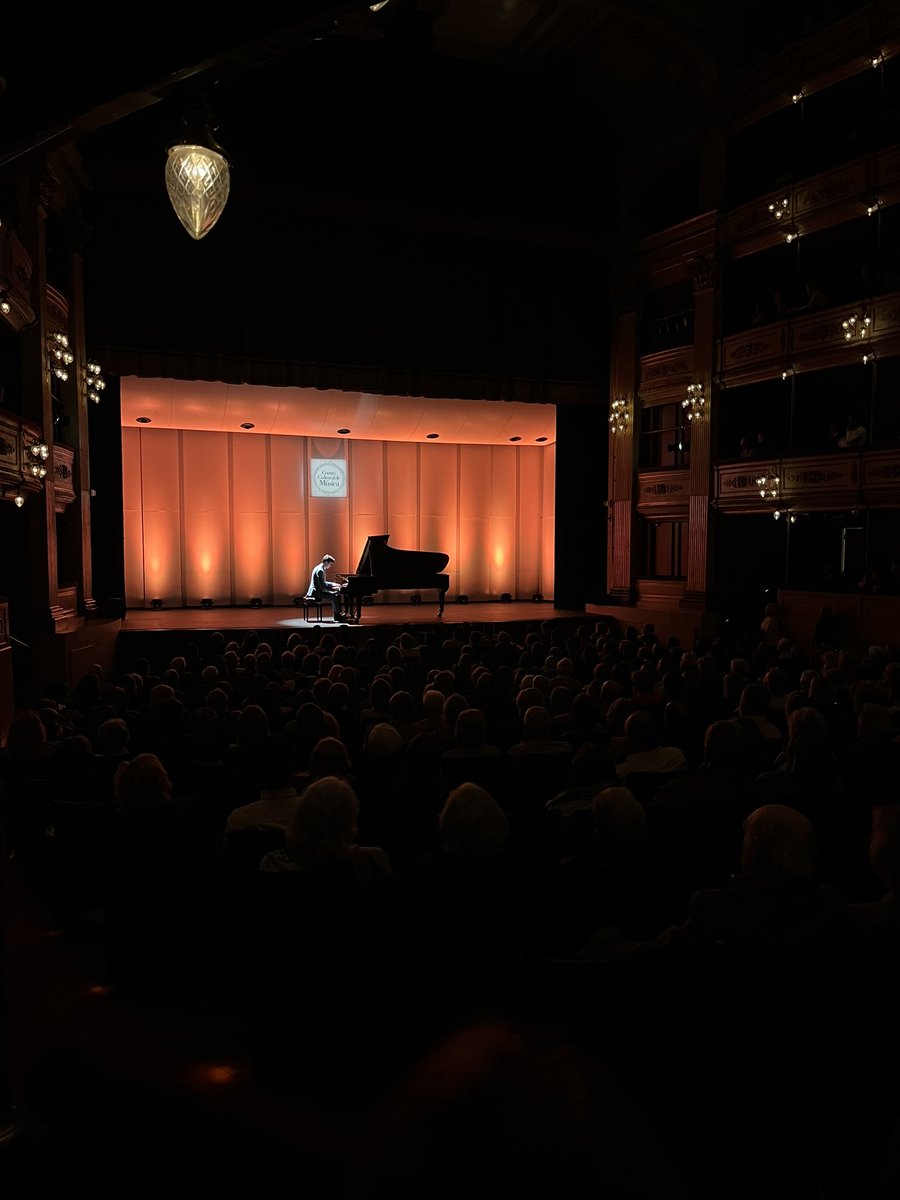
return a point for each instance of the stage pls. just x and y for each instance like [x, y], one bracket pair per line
[374, 616]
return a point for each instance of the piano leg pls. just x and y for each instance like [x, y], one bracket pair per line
[441, 595]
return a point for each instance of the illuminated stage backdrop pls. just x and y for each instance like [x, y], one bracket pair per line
[230, 517]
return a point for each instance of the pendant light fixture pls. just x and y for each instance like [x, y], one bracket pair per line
[198, 175]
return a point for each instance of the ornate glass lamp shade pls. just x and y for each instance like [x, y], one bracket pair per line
[198, 181]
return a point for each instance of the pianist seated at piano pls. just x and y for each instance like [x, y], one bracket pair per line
[324, 589]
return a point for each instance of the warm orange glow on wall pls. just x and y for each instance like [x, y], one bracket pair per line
[230, 515]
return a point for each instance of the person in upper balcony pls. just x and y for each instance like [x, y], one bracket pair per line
[816, 297]
[854, 434]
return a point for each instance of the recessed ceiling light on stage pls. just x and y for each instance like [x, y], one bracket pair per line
[540, 439]
[247, 425]
[432, 435]
[515, 439]
[143, 420]
[323, 413]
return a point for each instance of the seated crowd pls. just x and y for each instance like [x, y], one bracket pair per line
[682, 863]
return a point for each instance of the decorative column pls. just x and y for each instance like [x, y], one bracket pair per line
[701, 406]
[81, 531]
[35, 194]
[623, 417]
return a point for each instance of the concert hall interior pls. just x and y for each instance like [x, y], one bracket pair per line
[571, 331]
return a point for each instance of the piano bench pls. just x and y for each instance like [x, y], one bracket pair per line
[310, 602]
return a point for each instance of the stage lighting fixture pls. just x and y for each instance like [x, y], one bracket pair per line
[415, 598]
[462, 598]
[506, 598]
[537, 598]
[255, 602]
[206, 602]
[156, 602]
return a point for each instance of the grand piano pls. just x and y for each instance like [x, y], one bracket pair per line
[385, 567]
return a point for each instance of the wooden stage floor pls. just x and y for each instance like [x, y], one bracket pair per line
[374, 616]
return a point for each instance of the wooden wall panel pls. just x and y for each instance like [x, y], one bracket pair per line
[160, 474]
[207, 517]
[288, 485]
[529, 534]
[133, 518]
[548, 525]
[402, 490]
[367, 518]
[250, 519]
[474, 522]
[328, 517]
[438, 494]
[503, 509]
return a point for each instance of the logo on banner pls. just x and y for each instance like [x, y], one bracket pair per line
[328, 477]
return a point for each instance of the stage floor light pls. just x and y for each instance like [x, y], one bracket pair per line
[156, 602]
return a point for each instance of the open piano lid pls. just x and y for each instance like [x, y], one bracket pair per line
[379, 558]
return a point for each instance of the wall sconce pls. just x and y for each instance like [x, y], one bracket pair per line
[694, 401]
[796, 97]
[873, 206]
[791, 234]
[38, 453]
[769, 485]
[198, 177]
[5, 306]
[59, 355]
[778, 208]
[869, 357]
[856, 325]
[788, 371]
[94, 383]
[17, 498]
[877, 60]
[619, 414]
